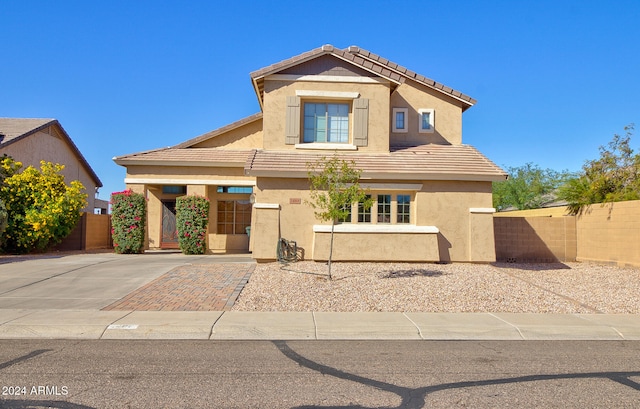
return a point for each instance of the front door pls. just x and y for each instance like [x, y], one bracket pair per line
[169, 231]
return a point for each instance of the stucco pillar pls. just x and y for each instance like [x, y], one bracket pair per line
[482, 248]
[265, 231]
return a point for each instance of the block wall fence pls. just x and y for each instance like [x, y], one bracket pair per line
[92, 232]
[604, 233]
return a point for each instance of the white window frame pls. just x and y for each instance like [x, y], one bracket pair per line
[431, 113]
[395, 128]
[372, 214]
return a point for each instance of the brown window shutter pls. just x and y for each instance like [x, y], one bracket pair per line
[292, 127]
[360, 121]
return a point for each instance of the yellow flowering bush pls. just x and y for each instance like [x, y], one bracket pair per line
[42, 208]
[8, 167]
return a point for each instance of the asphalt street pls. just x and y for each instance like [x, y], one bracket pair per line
[319, 374]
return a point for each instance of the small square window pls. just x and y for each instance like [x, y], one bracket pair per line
[400, 116]
[426, 118]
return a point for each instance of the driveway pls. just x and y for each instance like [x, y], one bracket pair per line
[93, 281]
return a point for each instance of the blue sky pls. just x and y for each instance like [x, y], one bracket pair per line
[554, 79]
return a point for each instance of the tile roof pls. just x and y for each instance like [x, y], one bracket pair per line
[175, 156]
[15, 129]
[363, 59]
[426, 162]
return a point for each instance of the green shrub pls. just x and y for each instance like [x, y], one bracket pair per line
[192, 219]
[41, 208]
[128, 217]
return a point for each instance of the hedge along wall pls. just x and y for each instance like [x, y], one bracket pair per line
[608, 233]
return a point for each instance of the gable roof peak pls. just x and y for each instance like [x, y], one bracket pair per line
[361, 58]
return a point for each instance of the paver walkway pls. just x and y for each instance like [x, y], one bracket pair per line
[209, 287]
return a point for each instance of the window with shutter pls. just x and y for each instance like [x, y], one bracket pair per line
[360, 121]
[292, 126]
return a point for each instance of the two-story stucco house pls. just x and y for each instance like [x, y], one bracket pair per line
[432, 194]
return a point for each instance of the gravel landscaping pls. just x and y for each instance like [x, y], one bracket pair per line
[458, 287]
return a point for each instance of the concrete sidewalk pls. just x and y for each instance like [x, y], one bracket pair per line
[231, 325]
[103, 296]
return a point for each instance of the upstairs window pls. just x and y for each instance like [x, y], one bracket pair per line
[400, 116]
[326, 122]
[426, 118]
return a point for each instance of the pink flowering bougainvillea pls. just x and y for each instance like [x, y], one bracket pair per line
[192, 219]
[128, 215]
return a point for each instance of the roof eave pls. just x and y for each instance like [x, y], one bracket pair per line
[177, 163]
[470, 177]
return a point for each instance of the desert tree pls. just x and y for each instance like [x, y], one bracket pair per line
[334, 187]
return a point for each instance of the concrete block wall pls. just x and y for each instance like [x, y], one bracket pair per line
[610, 233]
[604, 233]
[93, 231]
[535, 239]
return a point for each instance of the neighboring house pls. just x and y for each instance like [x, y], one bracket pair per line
[30, 140]
[404, 131]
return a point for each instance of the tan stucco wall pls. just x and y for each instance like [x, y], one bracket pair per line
[447, 111]
[275, 110]
[186, 173]
[377, 247]
[248, 136]
[51, 148]
[446, 205]
[464, 236]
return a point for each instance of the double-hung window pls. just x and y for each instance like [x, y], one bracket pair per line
[400, 119]
[326, 122]
[426, 118]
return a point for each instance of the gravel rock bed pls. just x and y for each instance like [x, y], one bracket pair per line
[457, 287]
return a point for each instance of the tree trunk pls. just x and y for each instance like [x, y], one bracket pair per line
[331, 250]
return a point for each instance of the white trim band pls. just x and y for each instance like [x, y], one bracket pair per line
[266, 206]
[327, 94]
[326, 78]
[392, 186]
[482, 210]
[375, 228]
[209, 182]
[326, 146]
